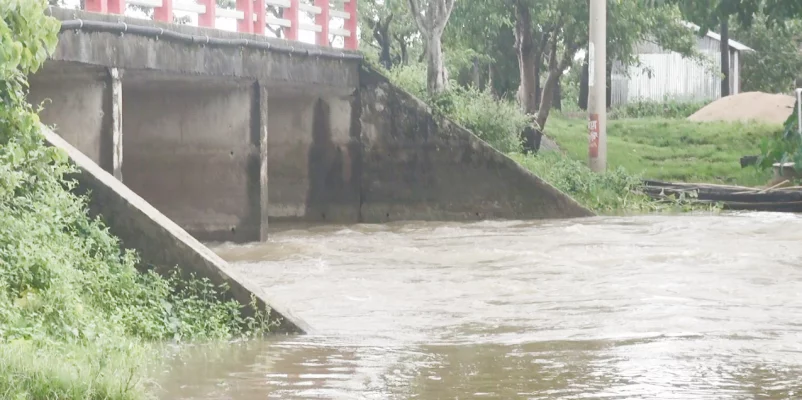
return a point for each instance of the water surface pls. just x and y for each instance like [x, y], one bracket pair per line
[663, 307]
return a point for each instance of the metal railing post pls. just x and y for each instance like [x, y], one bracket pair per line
[260, 8]
[246, 24]
[351, 42]
[98, 6]
[116, 6]
[322, 19]
[165, 12]
[208, 19]
[294, 17]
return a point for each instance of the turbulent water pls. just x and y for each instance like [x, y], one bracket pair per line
[657, 307]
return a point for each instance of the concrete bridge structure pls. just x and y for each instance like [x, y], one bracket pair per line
[224, 131]
[189, 133]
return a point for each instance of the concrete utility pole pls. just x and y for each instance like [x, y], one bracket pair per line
[597, 84]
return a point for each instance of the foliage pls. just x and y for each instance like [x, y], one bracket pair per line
[784, 147]
[672, 149]
[615, 191]
[777, 60]
[64, 283]
[431, 18]
[667, 108]
[495, 121]
[411, 78]
[391, 31]
[99, 372]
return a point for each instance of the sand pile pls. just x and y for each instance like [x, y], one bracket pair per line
[749, 106]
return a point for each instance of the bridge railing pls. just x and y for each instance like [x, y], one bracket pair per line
[252, 16]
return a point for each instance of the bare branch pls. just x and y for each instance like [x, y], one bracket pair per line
[440, 24]
[414, 5]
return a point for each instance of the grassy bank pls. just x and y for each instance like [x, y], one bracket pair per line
[76, 316]
[672, 149]
[650, 140]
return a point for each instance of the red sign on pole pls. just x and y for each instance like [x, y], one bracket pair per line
[593, 126]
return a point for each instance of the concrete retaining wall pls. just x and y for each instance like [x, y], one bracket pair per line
[222, 139]
[313, 159]
[159, 241]
[418, 166]
[191, 151]
[78, 101]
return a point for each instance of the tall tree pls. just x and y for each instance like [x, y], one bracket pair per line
[630, 25]
[529, 46]
[480, 32]
[560, 29]
[431, 22]
[717, 14]
[390, 30]
[778, 59]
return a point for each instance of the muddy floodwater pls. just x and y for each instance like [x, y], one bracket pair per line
[655, 307]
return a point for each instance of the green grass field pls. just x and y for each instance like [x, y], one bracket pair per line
[672, 149]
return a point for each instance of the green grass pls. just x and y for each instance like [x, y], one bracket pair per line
[615, 191]
[672, 149]
[107, 372]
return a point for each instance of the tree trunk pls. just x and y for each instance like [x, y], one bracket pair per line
[527, 59]
[490, 72]
[556, 69]
[436, 74]
[477, 74]
[384, 55]
[538, 89]
[725, 58]
[402, 46]
[558, 96]
[584, 84]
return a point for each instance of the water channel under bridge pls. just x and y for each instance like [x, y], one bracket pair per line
[663, 307]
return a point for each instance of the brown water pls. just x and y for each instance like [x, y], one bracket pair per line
[658, 307]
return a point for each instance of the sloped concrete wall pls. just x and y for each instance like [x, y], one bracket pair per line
[417, 166]
[160, 242]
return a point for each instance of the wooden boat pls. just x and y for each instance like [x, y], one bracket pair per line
[775, 198]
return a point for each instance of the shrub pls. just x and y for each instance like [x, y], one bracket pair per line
[662, 109]
[615, 191]
[411, 78]
[785, 146]
[68, 295]
[497, 121]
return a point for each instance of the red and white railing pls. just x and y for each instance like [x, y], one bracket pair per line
[252, 17]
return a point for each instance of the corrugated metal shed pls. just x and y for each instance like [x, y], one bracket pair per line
[663, 74]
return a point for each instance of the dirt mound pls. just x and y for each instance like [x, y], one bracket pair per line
[749, 106]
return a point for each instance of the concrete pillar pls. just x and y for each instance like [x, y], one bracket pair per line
[261, 94]
[193, 151]
[114, 124]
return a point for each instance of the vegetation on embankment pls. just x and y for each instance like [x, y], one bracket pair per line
[75, 314]
[528, 55]
[661, 145]
[673, 149]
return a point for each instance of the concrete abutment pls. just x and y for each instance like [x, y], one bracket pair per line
[224, 140]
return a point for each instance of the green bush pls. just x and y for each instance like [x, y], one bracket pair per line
[785, 146]
[70, 300]
[660, 109]
[411, 78]
[497, 121]
[615, 191]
